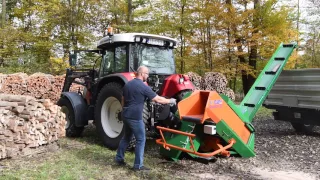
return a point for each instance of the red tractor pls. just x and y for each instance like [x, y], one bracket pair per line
[116, 58]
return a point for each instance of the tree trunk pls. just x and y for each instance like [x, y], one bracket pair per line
[129, 18]
[181, 31]
[254, 46]
[244, 73]
[209, 45]
[3, 22]
[228, 2]
[3, 19]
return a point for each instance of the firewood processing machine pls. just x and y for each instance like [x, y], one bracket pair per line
[211, 124]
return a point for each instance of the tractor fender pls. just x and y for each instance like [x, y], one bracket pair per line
[79, 107]
[172, 85]
[122, 78]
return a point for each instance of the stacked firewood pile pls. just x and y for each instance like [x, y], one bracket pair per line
[211, 81]
[15, 83]
[195, 79]
[27, 123]
[214, 81]
[2, 79]
[38, 85]
[229, 92]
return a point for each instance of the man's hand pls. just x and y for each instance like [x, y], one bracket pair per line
[173, 102]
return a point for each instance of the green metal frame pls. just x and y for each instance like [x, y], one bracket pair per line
[257, 96]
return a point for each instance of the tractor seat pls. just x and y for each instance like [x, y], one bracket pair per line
[193, 118]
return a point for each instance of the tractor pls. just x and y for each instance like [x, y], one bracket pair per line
[104, 71]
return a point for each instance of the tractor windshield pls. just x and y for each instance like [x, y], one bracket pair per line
[158, 59]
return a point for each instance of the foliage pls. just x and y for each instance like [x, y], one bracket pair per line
[311, 48]
[57, 65]
[232, 37]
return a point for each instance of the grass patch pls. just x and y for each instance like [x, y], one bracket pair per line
[264, 113]
[82, 158]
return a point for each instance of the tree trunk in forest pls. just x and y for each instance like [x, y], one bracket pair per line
[129, 18]
[209, 45]
[254, 45]
[244, 73]
[228, 2]
[3, 17]
[3, 22]
[181, 31]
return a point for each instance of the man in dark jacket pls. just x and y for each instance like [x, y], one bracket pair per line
[135, 93]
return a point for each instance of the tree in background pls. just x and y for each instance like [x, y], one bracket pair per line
[234, 37]
[311, 56]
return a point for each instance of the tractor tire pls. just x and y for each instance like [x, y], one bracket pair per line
[146, 113]
[108, 116]
[302, 128]
[71, 129]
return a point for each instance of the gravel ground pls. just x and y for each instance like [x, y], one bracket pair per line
[281, 153]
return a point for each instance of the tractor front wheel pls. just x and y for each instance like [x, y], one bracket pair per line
[71, 129]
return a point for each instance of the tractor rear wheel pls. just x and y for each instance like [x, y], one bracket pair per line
[71, 129]
[108, 116]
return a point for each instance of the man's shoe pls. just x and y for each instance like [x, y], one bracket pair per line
[143, 168]
[121, 163]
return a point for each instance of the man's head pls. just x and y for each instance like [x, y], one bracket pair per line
[143, 73]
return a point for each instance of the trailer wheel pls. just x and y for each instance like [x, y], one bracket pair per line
[108, 116]
[305, 128]
[71, 129]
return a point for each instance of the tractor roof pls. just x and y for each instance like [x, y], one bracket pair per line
[137, 37]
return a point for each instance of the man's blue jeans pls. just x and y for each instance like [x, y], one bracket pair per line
[136, 128]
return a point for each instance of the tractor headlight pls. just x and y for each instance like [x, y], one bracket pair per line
[137, 39]
[181, 80]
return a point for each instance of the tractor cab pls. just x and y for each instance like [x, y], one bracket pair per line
[124, 53]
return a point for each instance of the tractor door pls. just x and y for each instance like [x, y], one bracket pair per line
[114, 60]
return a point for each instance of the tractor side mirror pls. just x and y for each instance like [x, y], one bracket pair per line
[73, 59]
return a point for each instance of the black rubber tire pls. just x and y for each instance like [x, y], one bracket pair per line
[112, 89]
[72, 130]
[146, 113]
[304, 128]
